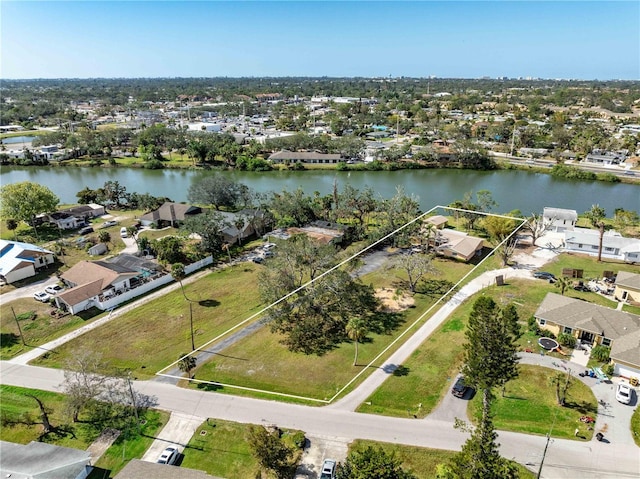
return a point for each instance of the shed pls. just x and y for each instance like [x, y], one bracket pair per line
[98, 249]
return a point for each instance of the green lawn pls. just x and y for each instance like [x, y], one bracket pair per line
[79, 435]
[426, 375]
[40, 330]
[152, 336]
[530, 406]
[220, 448]
[421, 461]
[635, 426]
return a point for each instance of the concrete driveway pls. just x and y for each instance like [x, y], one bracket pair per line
[317, 449]
[27, 291]
[177, 432]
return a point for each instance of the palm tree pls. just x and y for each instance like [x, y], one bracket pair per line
[178, 273]
[563, 283]
[187, 364]
[356, 330]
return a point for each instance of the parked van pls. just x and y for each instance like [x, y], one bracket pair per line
[123, 232]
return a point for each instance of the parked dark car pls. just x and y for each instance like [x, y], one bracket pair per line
[86, 230]
[460, 388]
[544, 275]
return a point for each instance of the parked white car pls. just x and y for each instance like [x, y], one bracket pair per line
[623, 393]
[169, 456]
[123, 232]
[53, 289]
[41, 296]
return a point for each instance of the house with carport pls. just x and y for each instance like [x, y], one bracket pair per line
[595, 325]
[22, 260]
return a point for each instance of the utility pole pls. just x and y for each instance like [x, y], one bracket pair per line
[133, 401]
[544, 453]
[193, 344]
[19, 329]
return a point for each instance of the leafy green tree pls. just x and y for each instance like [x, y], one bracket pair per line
[104, 236]
[209, 226]
[25, 200]
[371, 463]
[87, 195]
[169, 249]
[219, 191]
[12, 225]
[270, 451]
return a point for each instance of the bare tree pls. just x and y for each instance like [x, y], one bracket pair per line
[537, 226]
[84, 381]
[416, 266]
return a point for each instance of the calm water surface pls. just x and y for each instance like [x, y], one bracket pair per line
[512, 189]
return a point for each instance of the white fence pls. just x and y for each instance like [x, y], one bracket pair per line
[135, 292]
[190, 268]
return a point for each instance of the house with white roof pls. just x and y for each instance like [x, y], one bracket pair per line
[22, 260]
[614, 245]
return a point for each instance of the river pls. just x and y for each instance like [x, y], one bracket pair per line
[512, 189]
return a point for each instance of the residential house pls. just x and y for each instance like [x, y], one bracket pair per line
[169, 214]
[138, 469]
[605, 158]
[614, 245]
[288, 157]
[438, 221]
[65, 221]
[627, 287]
[593, 324]
[456, 244]
[559, 219]
[22, 260]
[97, 283]
[86, 212]
[40, 460]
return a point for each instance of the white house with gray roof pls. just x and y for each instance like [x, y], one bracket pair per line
[559, 219]
[614, 245]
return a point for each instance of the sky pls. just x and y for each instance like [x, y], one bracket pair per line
[540, 39]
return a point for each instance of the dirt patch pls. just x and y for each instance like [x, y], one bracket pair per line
[392, 301]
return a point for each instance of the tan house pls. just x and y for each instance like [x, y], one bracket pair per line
[594, 325]
[456, 244]
[103, 284]
[627, 287]
[438, 221]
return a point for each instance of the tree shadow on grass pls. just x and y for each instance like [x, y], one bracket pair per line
[209, 303]
[582, 407]
[210, 386]
[8, 339]
[385, 322]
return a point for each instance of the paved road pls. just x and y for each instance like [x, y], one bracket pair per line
[565, 459]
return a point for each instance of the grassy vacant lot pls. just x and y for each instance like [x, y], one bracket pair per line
[153, 335]
[37, 331]
[530, 406]
[81, 434]
[421, 460]
[259, 361]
